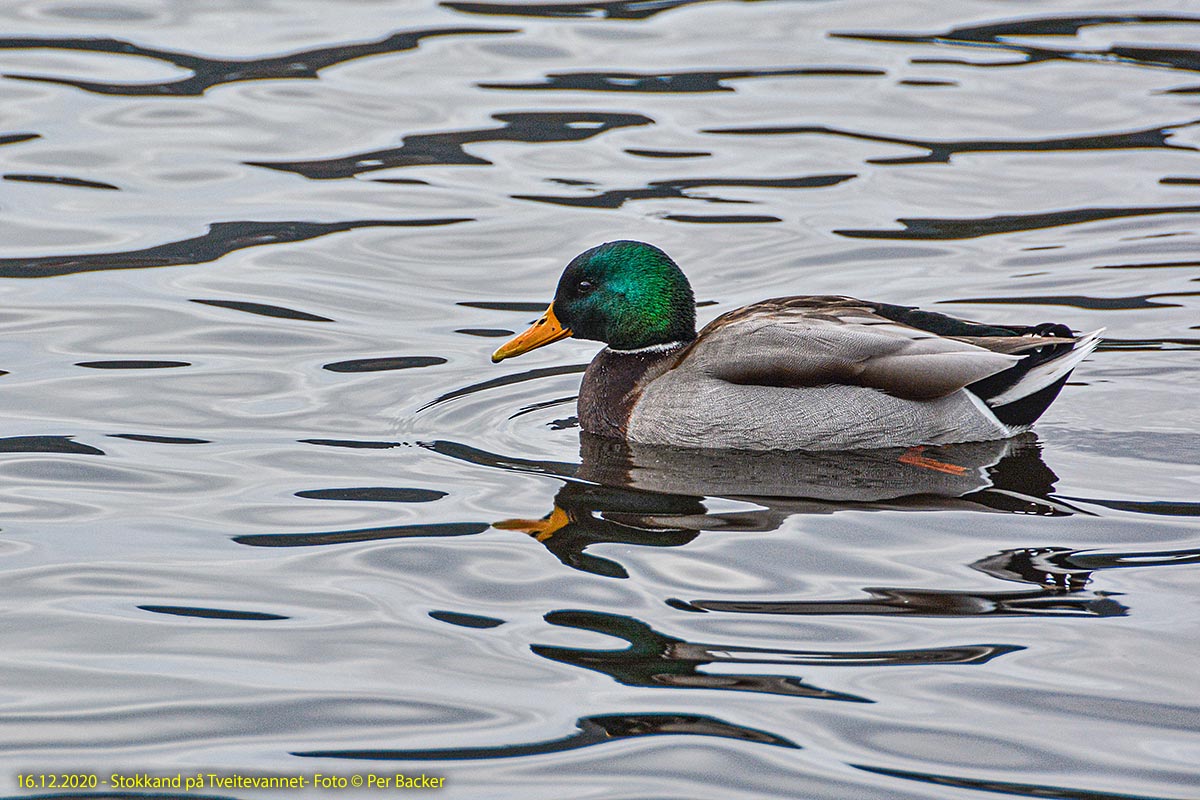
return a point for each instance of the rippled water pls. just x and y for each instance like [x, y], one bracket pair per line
[268, 508]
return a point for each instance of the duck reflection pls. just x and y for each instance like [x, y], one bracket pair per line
[596, 729]
[1060, 577]
[655, 496]
[585, 514]
[655, 659]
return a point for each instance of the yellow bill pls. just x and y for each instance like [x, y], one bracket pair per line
[546, 330]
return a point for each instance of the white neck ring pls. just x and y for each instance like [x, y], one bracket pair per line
[654, 348]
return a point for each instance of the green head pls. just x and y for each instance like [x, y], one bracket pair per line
[626, 294]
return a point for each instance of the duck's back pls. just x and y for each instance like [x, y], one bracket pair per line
[826, 373]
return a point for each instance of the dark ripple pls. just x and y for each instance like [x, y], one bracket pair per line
[488, 333]
[222, 238]
[13, 138]
[362, 534]
[604, 9]
[46, 444]
[551, 403]
[375, 494]
[1004, 787]
[1042, 566]
[133, 364]
[384, 364]
[1149, 344]
[940, 152]
[995, 36]
[210, 72]
[679, 187]
[1163, 508]
[654, 659]
[354, 444]
[212, 613]
[721, 219]
[473, 455]
[1071, 569]
[1034, 26]
[1060, 575]
[447, 147]
[402, 181]
[1152, 265]
[264, 310]
[59, 180]
[146, 437]
[506, 380]
[926, 603]
[671, 82]
[531, 308]
[667, 153]
[593, 730]
[1083, 301]
[466, 620]
[935, 229]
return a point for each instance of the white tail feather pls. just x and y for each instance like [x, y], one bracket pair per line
[1043, 375]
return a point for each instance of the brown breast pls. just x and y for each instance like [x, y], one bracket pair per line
[612, 384]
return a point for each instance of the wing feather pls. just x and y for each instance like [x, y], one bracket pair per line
[777, 344]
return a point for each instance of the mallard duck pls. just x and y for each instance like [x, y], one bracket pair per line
[791, 373]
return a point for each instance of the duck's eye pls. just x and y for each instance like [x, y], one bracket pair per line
[584, 287]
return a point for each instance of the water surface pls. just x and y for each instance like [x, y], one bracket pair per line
[266, 506]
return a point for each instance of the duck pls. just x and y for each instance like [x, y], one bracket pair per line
[812, 373]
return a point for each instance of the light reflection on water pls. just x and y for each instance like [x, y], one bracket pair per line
[268, 507]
